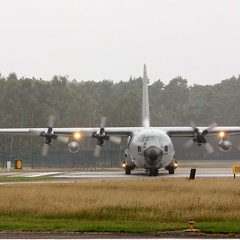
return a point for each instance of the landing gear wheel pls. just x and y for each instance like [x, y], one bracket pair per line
[155, 172]
[171, 170]
[128, 170]
[150, 172]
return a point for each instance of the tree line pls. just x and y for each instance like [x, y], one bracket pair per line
[27, 103]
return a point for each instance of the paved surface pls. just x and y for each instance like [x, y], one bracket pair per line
[163, 236]
[141, 174]
[85, 174]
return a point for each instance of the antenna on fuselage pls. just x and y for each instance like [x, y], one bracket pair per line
[145, 100]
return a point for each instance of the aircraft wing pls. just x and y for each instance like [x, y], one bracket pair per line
[68, 132]
[121, 131]
[110, 131]
[189, 131]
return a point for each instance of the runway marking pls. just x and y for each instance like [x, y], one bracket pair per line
[33, 174]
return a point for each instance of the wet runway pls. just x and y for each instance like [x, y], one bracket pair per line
[120, 174]
[204, 169]
[139, 174]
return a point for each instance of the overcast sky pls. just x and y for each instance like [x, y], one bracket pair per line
[112, 39]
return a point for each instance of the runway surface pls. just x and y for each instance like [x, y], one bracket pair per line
[119, 174]
[141, 174]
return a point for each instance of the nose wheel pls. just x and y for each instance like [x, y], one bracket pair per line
[152, 172]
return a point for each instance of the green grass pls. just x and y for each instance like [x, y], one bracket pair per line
[31, 223]
[76, 224]
[23, 179]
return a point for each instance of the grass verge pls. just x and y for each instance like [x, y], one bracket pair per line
[42, 224]
[143, 205]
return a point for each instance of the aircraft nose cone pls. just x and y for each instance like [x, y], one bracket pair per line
[152, 154]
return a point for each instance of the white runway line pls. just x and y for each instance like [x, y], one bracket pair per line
[34, 174]
[43, 174]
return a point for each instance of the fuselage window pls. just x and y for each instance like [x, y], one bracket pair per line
[166, 148]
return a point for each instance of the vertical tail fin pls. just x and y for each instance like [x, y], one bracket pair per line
[145, 100]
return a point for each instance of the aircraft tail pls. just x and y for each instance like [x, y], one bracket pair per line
[145, 100]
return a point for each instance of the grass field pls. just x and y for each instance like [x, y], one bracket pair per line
[131, 206]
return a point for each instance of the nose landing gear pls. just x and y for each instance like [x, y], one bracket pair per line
[152, 172]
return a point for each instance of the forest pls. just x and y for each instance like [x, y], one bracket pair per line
[27, 103]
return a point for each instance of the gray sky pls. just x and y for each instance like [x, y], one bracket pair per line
[112, 39]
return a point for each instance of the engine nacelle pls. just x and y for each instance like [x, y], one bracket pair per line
[225, 145]
[73, 147]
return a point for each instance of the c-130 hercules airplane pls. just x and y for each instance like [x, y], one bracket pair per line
[150, 148]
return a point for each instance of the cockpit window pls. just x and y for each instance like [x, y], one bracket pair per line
[154, 138]
[141, 139]
[145, 138]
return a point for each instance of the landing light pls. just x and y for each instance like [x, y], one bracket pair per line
[222, 134]
[176, 164]
[124, 165]
[77, 135]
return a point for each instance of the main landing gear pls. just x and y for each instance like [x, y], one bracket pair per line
[127, 169]
[170, 169]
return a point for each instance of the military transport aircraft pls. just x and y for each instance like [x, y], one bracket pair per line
[150, 148]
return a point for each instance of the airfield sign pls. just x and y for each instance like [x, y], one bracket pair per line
[236, 169]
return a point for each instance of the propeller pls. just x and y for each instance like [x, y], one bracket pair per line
[101, 136]
[51, 120]
[97, 151]
[199, 137]
[238, 147]
[49, 135]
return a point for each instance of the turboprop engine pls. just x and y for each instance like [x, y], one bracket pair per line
[225, 145]
[73, 146]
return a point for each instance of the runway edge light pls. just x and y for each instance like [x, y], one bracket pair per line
[191, 222]
[191, 229]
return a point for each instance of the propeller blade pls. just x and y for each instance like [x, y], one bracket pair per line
[45, 149]
[209, 148]
[51, 120]
[63, 139]
[238, 147]
[192, 124]
[86, 134]
[103, 122]
[211, 126]
[188, 144]
[34, 132]
[115, 139]
[97, 151]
